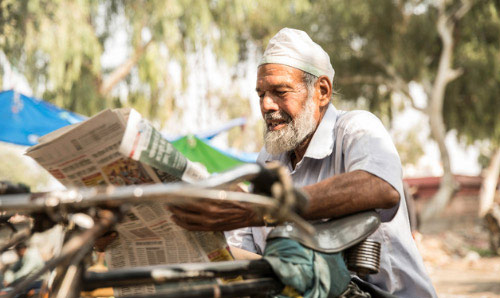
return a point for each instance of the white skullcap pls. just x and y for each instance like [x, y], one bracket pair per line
[295, 48]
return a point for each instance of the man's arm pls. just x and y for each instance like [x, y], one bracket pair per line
[333, 197]
[349, 193]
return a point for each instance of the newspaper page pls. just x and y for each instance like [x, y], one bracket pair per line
[119, 147]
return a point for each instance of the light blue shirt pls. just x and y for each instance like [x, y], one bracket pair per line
[345, 142]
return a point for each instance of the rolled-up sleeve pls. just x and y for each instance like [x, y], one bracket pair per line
[366, 145]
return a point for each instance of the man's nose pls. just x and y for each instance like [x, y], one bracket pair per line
[268, 104]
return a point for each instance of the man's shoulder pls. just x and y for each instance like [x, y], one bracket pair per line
[355, 116]
[263, 156]
[357, 119]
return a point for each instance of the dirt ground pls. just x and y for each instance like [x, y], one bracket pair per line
[455, 249]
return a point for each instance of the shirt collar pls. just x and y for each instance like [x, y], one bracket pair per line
[321, 144]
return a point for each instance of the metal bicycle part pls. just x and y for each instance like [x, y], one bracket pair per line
[363, 258]
[259, 287]
[176, 272]
[334, 235]
[60, 206]
[78, 246]
[282, 205]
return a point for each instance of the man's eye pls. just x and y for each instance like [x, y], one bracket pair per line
[281, 93]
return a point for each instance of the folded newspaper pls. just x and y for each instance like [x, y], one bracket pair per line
[119, 147]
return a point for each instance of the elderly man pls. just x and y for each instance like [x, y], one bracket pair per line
[345, 161]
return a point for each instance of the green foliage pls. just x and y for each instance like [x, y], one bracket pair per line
[56, 55]
[388, 44]
[58, 45]
[409, 146]
[483, 252]
[472, 104]
[267, 17]
[234, 106]
[364, 38]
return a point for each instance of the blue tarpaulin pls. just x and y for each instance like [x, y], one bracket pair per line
[209, 133]
[24, 119]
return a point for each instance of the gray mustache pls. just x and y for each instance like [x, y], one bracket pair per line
[277, 115]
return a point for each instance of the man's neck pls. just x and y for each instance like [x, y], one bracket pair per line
[298, 153]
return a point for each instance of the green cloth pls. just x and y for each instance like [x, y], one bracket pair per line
[311, 273]
[198, 151]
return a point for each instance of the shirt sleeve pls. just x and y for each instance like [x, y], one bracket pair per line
[241, 238]
[366, 145]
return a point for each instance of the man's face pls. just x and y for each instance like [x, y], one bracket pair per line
[291, 113]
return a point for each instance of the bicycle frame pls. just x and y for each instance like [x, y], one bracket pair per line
[110, 203]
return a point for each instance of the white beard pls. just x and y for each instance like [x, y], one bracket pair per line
[295, 131]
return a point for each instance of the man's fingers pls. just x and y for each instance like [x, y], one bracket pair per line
[102, 242]
[188, 217]
[195, 222]
[212, 216]
[189, 226]
[226, 226]
[209, 208]
[193, 208]
[211, 219]
[180, 210]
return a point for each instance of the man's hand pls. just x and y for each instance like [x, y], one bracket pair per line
[102, 242]
[214, 216]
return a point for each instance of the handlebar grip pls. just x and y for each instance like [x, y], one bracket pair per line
[264, 180]
[7, 188]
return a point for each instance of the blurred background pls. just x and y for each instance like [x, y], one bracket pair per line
[429, 69]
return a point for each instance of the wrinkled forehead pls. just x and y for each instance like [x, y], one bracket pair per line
[273, 74]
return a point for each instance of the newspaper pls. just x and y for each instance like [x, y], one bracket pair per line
[119, 147]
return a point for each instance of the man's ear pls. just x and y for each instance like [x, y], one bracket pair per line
[325, 90]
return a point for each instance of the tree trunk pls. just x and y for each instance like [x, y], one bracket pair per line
[489, 184]
[492, 219]
[445, 74]
[448, 186]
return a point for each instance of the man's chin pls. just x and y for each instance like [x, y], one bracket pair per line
[275, 144]
[273, 150]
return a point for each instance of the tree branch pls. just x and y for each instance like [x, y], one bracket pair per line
[122, 71]
[445, 73]
[427, 87]
[402, 87]
[396, 85]
[414, 106]
[362, 79]
[453, 74]
[462, 10]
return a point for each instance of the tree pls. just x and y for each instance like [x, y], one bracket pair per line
[58, 46]
[472, 100]
[379, 48]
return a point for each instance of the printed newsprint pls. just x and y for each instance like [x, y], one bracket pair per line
[119, 147]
